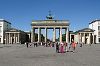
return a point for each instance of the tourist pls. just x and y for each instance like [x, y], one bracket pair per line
[81, 44]
[65, 46]
[34, 44]
[61, 48]
[41, 43]
[57, 47]
[27, 44]
[68, 46]
[73, 46]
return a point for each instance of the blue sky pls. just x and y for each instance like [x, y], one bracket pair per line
[21, 12]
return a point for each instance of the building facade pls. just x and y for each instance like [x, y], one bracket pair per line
[4, 25]
[15, 36]
[85, 36]
[95, 25]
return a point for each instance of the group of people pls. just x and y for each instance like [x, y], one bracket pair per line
[60, 47]
[36, 44]
[65, 47]
[30, 44]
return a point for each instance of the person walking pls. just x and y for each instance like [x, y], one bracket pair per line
[27, 44]
[73, 46]
[81, 44]
[68, 46]
[57, 47]
[61, 48]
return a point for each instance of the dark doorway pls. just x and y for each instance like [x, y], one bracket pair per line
[72, 38]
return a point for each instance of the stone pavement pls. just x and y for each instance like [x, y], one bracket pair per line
[19, 55]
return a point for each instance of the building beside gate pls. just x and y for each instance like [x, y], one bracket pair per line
[50, 23]
[15, 36]
[85, 36]
[95, 25]
[4, 25]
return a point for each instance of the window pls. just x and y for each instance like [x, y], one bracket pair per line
[99, 39]
[98, 33]
[98, 27]
[0, 29]
[98, 23]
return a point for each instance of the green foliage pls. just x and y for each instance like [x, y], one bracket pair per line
[63, 37]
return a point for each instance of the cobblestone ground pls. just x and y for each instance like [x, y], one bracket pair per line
[19, 55]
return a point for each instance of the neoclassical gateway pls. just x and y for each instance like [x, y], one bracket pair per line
[50, 23]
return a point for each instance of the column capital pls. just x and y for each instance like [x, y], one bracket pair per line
[39, 27]
[45, 27]
[92, 33]
[54, 27]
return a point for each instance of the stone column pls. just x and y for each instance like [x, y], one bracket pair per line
[93, 37]
[45, 34]
[14, 38]
[32, 34]
[67, 35]
[80, 37]
[5, 38]
[39, 34]
[18, 37]
[54, 34]
[84, 38]
[60, 34]
[89, 38]
[9, 39]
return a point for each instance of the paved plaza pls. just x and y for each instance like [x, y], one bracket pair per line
[20, 55]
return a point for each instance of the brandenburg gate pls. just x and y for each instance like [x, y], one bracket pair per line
[50, 23]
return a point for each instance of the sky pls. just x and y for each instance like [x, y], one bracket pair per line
[21, 12]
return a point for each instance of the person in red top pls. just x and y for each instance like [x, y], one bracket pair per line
[73, 46]
[61, 48]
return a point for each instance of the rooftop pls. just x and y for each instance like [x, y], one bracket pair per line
[3, 20]
[85, 30]
[94, 21]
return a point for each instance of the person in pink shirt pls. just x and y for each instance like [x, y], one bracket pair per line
[73, 46]
[61, 48]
